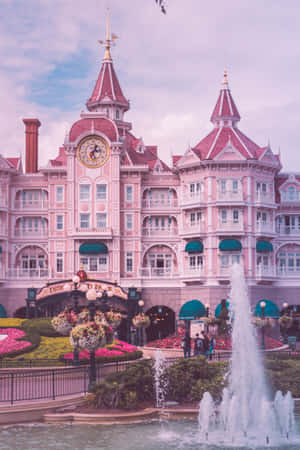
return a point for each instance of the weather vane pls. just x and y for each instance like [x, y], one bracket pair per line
[110, 41]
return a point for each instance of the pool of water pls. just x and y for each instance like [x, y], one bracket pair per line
[172, 435]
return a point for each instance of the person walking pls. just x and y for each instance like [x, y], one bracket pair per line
[197, 345]
[212, 345]
[186, 345]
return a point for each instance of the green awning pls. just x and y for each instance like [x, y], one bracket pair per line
[93, 247]
[3, 313]
[230, 245]
[271, 309]
[0, 249]
[193, 247]
[192, 310]
[218, 308]
[264, 246]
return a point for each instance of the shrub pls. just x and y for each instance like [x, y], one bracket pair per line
[32, 337]
[42, 326]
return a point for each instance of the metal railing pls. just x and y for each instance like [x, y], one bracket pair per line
[42, 384]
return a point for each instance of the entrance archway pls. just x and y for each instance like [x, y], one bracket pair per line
[162, 322]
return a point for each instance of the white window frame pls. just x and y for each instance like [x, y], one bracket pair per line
[101, 195]
[84, 196]
[129, 193]
[59, 259]
[129, 222]
[59, 196]
[59, 223]
[81, 220]
[99, 222]
[129, 262]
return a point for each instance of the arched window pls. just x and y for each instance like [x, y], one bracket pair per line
[291, 193]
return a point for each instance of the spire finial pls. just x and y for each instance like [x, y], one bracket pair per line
[225, 80]
[108, 41]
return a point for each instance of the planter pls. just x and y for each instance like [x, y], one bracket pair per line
[141, 321]
[113, 319]
[88, 336]
[285, 321]
[64, 322]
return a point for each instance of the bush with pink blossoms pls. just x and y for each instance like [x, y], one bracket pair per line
[11, 343]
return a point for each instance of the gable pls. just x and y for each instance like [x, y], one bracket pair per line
[229, 153]
[189, 157]
[268, 157]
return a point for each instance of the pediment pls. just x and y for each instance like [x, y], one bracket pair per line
[291, 180]
[4, 165]
[189, 157]
[229, 153]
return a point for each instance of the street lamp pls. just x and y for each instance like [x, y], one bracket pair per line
[141, 330]
[91, 296]
[285, 312]
[263, 305]
[75, 295]
[207, 314]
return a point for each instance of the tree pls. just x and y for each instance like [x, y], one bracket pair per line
[162, 5]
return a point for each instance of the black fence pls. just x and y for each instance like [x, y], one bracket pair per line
[43, 384]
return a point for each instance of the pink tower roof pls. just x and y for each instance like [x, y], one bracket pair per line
[107, 89]
[225, 107]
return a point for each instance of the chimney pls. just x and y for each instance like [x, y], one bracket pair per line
[31, 144]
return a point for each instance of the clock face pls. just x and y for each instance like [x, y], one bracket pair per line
[93, 151]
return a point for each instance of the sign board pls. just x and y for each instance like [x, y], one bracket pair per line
[197, 326]
[68, 286]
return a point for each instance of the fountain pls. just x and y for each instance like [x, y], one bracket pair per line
[246, 415]
[159, 367]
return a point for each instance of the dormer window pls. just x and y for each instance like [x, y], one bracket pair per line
[291, 193]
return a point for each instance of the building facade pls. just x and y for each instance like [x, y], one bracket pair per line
[109, 204]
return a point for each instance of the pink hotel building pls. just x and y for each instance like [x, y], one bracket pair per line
[110, 204]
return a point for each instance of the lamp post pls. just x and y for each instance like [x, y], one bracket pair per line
[141, 330]
[263, 305]
[207, 314]
[91, 296]
[285, 312]
[75, 296]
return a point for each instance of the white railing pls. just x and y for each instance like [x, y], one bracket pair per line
[98, 230]
[31, 204]
[30, 233]
[225, 271]
[288, 272]
[159, 231]
[22, 274]
[230, 225]
[194, 227]
[288, 230]
[265, 271]
[264, 227]
[193, 197]
[160, 203]
[230, 196]
[264, 197]
[193, 271]
[157, 272]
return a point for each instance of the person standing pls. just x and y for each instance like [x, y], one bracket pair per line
[212, 344]
[205, 344]
[197, 345]
[186, 344]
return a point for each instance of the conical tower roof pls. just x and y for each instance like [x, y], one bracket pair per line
[225, 108]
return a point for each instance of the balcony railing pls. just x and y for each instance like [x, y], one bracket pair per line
[230, 196]
[158, 272]
[193, 271]
[194, 227]
[193, 197]
[230, 225]
[31, 204]
[166, 231]
[160, 204]
[286, 272]
[264, 197]
[264, 227]
[31, 233]
[288, 230]
[265, 271]
[94, 230]
[27, 274]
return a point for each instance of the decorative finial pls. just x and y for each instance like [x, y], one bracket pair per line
[108, 41]
[225, 80]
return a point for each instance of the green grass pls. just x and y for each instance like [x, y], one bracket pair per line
[50, 348]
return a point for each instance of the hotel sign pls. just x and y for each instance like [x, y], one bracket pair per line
[68, 286]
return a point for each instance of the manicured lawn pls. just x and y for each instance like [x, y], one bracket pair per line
[50, 348]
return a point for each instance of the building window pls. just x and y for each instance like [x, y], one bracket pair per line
[227, 260]
[129, 262]
[59, 262]
[117, 114]
[235, 186]
[59, 194]
[195, 262]
[84, 220]
[59, 222]
[235, 216]
[224, 216]
[291, 193]
[101, 220]
[101, 192]
[223, 186]
[92, 263]
[84, 192]
[129, 221]
[129, 193]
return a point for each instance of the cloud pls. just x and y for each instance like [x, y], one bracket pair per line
[170, 66]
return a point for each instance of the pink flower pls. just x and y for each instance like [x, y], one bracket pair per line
[9, 344]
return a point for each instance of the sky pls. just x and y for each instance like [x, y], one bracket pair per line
[169, 66]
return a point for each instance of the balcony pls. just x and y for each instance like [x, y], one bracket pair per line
[193, 228]
[3, 203]
[288, 230]
[230, 226]
[103, 232]
[193, 272]
[230, 196]
[285, 272]
[158, 272]
[156, 232]
[31, 233]
[160, 204]
[31, 205]
[193, 198]
[3, 232]
[225, 271]
[264, 197]
[265, 271]
[264, 227]
[28, 274]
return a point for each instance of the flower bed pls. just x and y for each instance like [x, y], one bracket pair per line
[11, 343]
[118, 348]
